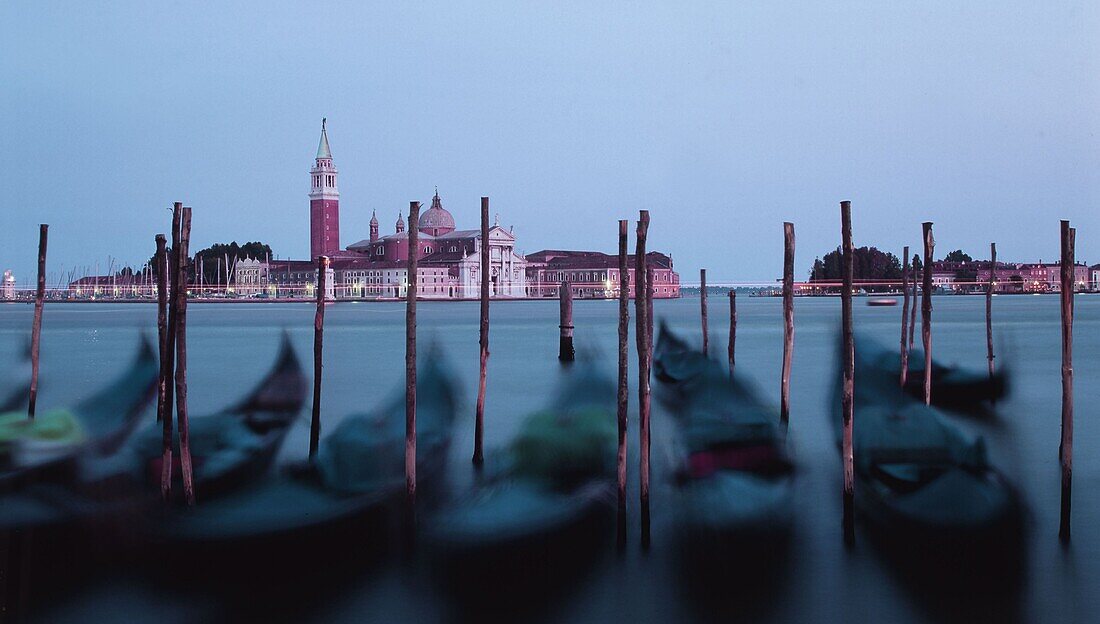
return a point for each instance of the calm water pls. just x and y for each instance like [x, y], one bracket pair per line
[231, 346]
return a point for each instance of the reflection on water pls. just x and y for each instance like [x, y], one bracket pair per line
[231, 347]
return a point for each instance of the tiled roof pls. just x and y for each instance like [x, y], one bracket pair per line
[593, 260]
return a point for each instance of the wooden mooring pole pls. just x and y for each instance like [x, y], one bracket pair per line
[733, 330]
[410, 362]
[848, 388]
[641, 327]
[318, 347]
[703, 309]
[169, 367]
[624, 391]
[788, 323]
[36, 324]
[989, 306]
[913, 310]
[483, 338]
[905, 315]
[565, 324]
[1066, 447]
[164, 406]
[181, 358]
[926, 310]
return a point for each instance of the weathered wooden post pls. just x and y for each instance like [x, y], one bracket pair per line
[905, 315]
[1066, 449]
[168, 367]
[926, 311]
[565, 324]
[410, 361]
[164, 406]
[483, 339]
[649, 291]
[318, 346]
[623, 396]
[788, 323]
[733, 330]
[703, 309]
[913, 310]
[181, 358]
[847, 397]
[989, 306]
[641, 327]
[36, 324]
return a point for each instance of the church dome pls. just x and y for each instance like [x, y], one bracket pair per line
[436, 220]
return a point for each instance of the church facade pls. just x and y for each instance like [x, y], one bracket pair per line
[449, 261]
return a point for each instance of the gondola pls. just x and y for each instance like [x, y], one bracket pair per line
[101, 509]
[347, 497]
[48, 448]
[735, 479]
[953, 386]
[542, 510]
[230, 448]
[18, 378]
[926, 490]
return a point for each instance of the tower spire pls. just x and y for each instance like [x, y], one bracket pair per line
[323, 150]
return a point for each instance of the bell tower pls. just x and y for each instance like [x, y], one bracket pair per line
[324, 202]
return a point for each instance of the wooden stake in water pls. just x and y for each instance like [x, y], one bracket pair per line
[169, 366]
[164, 406]
[641, 326]
[36, 324]
[181, 359]
[788, 323]
[926, 310]
[565, 324]
[847, 404]
[733, 330]
[318, 346]
[703, 308]
[905, 315]
[1066, 448]
[624, 391]
[410, 360]
[483, 339]
[913, 310]
[989, 306]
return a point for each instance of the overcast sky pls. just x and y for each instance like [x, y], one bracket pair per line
[723, 119]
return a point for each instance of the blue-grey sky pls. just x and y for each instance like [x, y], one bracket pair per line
[723, 119]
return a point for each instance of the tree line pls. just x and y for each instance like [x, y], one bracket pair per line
[871, 264]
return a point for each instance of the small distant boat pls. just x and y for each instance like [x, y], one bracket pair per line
[879, 302]
[543, 509]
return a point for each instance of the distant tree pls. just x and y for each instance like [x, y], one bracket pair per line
[214, 259]
[958, 256]
[868, 264]
[966, 276]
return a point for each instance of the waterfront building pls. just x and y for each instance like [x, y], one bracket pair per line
[595, 275]
[1011, 277]
[7, 287]
[250, 277]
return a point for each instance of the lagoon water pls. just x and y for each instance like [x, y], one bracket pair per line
[231, 346]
